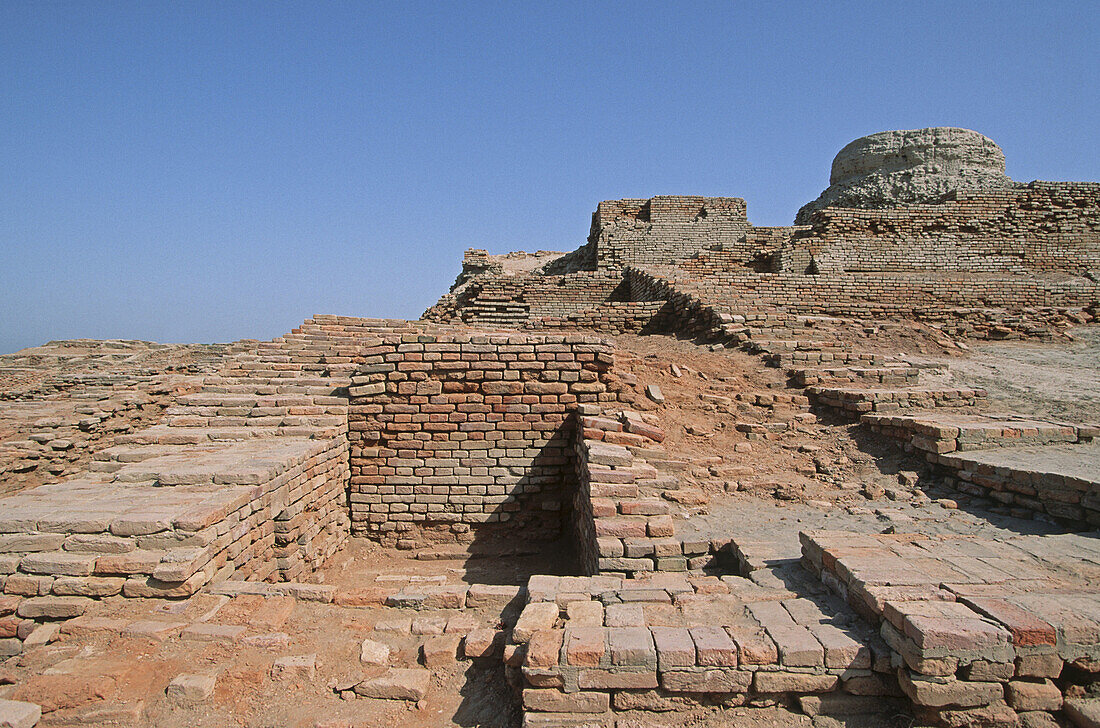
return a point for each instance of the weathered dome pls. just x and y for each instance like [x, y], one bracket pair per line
[913, 166]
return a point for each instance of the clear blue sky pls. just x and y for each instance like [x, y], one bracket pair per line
[207, 171]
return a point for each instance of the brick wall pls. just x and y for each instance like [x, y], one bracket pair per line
[1045, 226]
[719, 278]
[454, 431]
[610, 317]
[664, 229]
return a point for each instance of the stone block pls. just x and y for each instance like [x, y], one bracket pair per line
[585, 646]
[714, 647]
[22, 543]
[534, 617]
[631, 646]
[617, 679]
[10, 646]
[53, 607]
[483, 643]
[492, 595]
[556, 701]
[441, 650]
[794, 682]
[584, 614]
[1045, 664]
[18, 714]
[28, 586]
[544, 648]
[797, 647]
[1026, 695]
[190, 688]
[675, 648]
[1026, 629]
[706, 680]
[154, 629]
[565, 720]
[396, 684]
[294, 668]
[374, 653]
[40, 635]
[943, 692]
[87, 586]
[204, 632]
[1083, 712]
[58, 563]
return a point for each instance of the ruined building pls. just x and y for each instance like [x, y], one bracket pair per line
[186, 499]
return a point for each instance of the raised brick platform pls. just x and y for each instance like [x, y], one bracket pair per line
[592, 645]
[975, 623]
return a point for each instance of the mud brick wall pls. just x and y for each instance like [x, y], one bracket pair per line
[454, 431]
[981, 301]
[620, 524]
[1049, 226]
[55, 564]
[855, 402]
[665, 229]
[612, 317]
[682, 311]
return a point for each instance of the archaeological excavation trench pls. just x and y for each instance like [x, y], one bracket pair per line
[695, 471]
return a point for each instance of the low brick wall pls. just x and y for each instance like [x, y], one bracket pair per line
[621, 525]
[1031, 467]
[853, 402]
[1071, 498]
[612, 317]
[451, 432]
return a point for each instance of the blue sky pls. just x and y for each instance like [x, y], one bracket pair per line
[212, 171]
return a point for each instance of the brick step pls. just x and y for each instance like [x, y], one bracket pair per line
[804, 358]
[258, 421]
[938, 433]
[859, 400]
[164, 435]
[773, 399]
[776, 346]
[696, 636]
[318, 383]
[807, 376]
[307, 408]
[218, 399]
[227, 463]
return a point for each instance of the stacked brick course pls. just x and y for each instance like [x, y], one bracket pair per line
[610, 317]
[587, 645]
[461, 430]
[1048, 226]
[665, 229]
[621, 525]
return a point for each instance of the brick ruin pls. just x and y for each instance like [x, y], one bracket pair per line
[502, 421]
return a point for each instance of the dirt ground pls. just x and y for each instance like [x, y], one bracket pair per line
[1046, 379]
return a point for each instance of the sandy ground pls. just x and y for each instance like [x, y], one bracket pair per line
[1046, 379]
